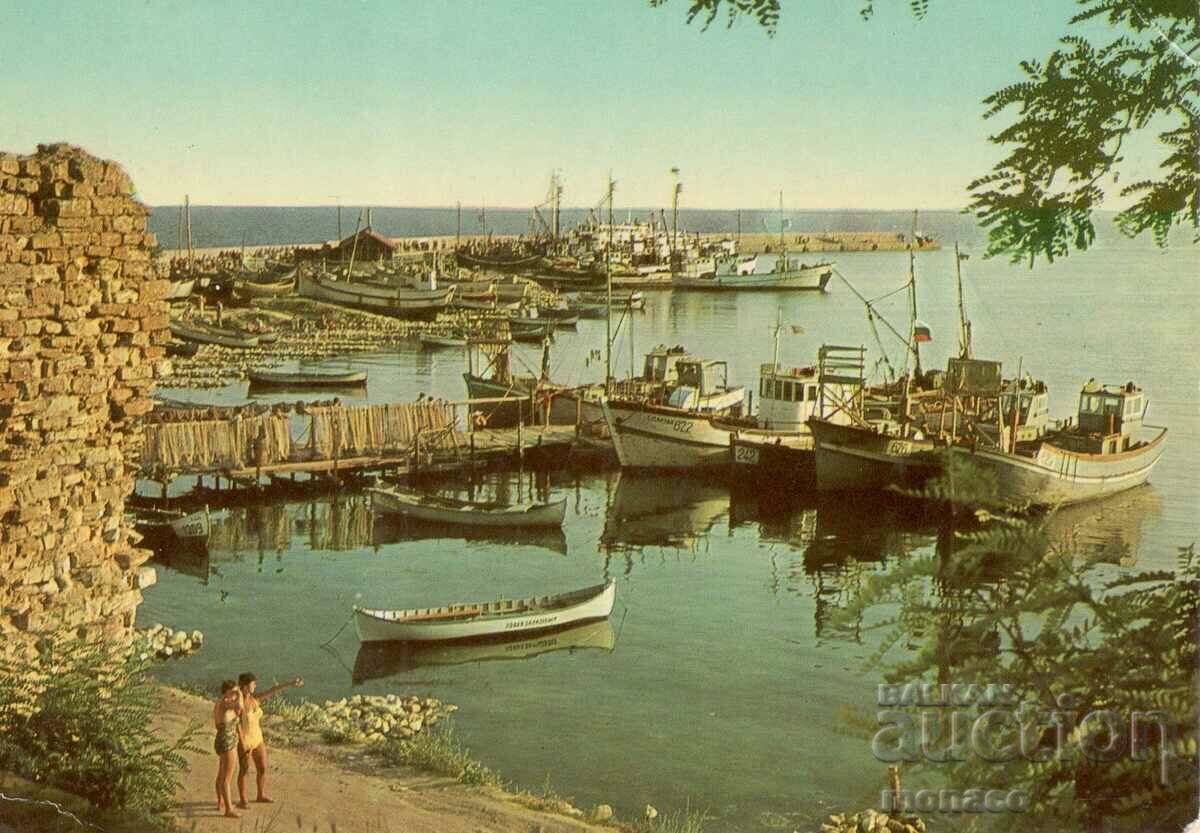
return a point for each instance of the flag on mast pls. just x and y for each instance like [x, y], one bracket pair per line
[921, 333]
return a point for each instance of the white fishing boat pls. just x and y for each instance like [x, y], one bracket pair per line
[680, 432]
[475, 619]
[376, 297]
[445, 510]
[754, 272]
[1107, 450]
[620, 300]
[728, 271]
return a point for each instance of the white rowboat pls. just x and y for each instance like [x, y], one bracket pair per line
[473, 619]
[450, 511]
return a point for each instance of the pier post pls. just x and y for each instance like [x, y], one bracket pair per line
[472, 436]
[578, 415]
[520, 437]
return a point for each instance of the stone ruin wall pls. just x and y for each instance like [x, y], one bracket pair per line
[83, 318]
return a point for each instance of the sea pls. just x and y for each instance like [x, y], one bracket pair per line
[717, 684]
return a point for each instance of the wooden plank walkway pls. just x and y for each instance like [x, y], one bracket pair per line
[481, 447]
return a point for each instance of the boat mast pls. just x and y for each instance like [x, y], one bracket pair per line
[781, 242]
[778, 328]
[675, 211]
[608, 283]
[187, 207]
[914, 345]
[964, 326]
[354, 248]
[179, 237]
[458, 228]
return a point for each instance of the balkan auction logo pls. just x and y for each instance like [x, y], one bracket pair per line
[953, 722]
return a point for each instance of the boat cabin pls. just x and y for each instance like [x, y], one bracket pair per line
[1110, 419]
[790, 396]
[1032, 401]
[660, 364]
[703, 385]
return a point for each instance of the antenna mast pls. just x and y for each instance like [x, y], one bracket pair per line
[608, 283]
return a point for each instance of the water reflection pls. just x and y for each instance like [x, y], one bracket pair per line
[660, 510]
[376, 660]
[1108, 530]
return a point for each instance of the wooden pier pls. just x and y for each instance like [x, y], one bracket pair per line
[431, 447]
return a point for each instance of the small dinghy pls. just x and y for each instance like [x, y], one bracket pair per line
[466, 513]
[156, 523]
[475, 619]
[304, 379]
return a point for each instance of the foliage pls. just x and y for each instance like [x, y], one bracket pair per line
[79, 716]
[680, 821]
[1074, 113]
[1004, 604]
[438, 751]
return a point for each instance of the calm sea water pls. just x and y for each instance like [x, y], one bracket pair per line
[715, 683]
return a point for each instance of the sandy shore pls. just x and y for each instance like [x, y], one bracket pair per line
[340, 788]
[331, 789]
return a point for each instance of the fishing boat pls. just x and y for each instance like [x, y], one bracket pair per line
[660, 435]
[377, 660]
[620, 300]
[727, 271]
[306, 379]
[490, 376]
[154, 524]
[476, 619]
[530, 330]
[1107, 449]
[437, 509]
[376, 297]
[754, 272]
[202, 333]
[506, 262]
[251, 290]
[432, 340]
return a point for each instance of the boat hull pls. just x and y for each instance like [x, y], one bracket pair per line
[596, 603]
[1057, 476]
[646, 437]
[809, 279]
[536, 515]
[396, 302]
[202, 334]
[499, 414]
[268, 379]
[847, 457]
[765, 458]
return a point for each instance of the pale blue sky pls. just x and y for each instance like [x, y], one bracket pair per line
[389, 102]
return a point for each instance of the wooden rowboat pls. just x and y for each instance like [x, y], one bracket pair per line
[185, 526]
[449, 510]
[475, 619]
[428, 340]
[208, 334]
[250, 290]
[302, 379]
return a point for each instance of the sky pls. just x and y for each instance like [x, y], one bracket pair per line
[393, 102]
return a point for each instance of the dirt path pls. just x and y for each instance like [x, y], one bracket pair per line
[315, 792]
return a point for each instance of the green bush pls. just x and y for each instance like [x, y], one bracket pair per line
[78, 716]
[438, 751]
